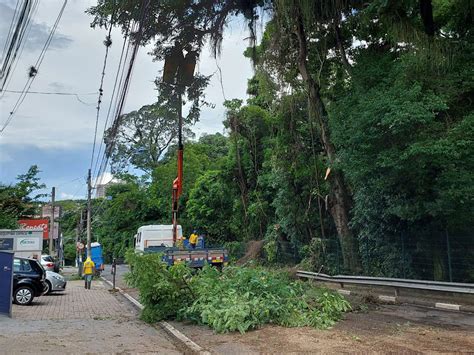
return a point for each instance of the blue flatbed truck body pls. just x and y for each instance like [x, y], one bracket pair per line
[195, 258]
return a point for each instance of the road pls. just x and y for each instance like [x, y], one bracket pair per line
[81, 321]
[376, 328]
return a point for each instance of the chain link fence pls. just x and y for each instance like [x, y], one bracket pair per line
[439, 256]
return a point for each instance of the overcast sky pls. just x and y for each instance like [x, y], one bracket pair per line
[56, 132]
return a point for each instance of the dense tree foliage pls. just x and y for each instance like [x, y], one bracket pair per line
[20, 200]
[354, 151]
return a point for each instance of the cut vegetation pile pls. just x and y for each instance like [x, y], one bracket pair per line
[236, 299]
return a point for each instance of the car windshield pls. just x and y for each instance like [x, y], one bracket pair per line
[48, 258]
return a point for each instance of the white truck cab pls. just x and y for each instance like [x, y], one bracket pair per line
[160, 235]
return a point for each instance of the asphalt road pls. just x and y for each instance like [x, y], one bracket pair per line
[381, 328]
[122, 269]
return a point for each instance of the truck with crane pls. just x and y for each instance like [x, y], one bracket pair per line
[168, 239]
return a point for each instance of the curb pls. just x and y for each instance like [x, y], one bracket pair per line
[451, 307]
[414, 300]
[175, 333]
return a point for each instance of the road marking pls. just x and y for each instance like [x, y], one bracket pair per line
[392, 299]
[165, 325]
[344, 292]
[449, 306]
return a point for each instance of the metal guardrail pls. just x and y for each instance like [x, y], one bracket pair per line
[455, 287]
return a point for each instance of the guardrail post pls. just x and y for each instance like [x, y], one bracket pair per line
[448, 251]
[114, 272]
[402, 235]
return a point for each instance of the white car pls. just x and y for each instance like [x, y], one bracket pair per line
[54, 282]
[47, 262]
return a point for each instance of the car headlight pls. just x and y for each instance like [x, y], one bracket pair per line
[58, 277]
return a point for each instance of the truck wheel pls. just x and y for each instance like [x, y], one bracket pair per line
[23, 295]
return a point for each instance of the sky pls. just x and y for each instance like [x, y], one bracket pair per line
[57, 132]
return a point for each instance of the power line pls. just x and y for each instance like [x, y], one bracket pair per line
[10, 29]
[105, 158]
[51, 93]
[68, 182]
[36, 67]
[119, 101]
[107, 43]
[120, 72]
[56, 93]
[124, 90]
[15, 39]
[28, 30]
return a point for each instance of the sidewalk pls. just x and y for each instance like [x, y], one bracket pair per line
[78, 321]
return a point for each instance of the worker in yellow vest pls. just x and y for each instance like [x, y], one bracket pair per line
[88, 268]
[193, 239]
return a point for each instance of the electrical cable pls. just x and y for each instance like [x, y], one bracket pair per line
[13, 43]
[28, 30]
[124, 91]
[122, 75]
[36, 67]
[120, 68]
[10, 29]
[16, 40]
[51, 93]
[104, 160]
[107, 43]
[120, 101]
[57, 93]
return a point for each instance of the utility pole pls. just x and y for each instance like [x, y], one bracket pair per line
[78, 234]
[89, 212]
[80, 225]
[51, 220]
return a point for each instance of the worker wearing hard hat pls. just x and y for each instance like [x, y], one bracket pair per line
[88, 268]
[193, 239]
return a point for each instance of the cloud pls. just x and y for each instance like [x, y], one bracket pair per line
[103, 179]
[37, 34]
[57, 86]
[66, 196]
[5, 157]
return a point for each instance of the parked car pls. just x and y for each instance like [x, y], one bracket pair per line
[47, 262]
[54, 282]
[28, 280]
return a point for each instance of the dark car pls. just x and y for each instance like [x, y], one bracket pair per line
[28, 280]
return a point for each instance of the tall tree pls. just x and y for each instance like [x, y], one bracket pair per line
[20, 200]
[142, 138]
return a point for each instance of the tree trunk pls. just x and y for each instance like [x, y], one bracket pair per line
[340, 198]
[242, 181]
[426, 13]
